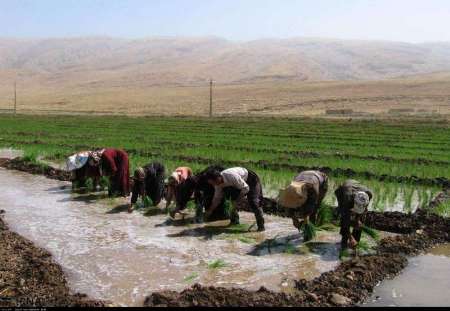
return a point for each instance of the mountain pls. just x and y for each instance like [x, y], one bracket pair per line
[187, 61]
[273, 76]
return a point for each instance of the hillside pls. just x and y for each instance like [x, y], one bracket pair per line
[166, 75]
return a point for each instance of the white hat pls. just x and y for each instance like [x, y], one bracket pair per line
[77, 161]
[361, 202]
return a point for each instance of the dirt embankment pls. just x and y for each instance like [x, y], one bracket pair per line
[35, 169]
[350, 283]
[30, 278]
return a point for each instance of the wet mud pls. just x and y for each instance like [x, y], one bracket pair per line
[30, 278]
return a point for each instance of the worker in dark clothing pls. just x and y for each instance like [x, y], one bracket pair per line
[238, 183]
[353, 201]
[148, 181]
[82, 171]
[302, 198]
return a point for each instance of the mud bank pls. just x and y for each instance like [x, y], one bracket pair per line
[349, 284]
[35, 169]
[30, 278]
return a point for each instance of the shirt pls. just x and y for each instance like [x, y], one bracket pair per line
[235, 177]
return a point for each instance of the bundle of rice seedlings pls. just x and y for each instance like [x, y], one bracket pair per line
[309, 232]
[227, 206]
[324, 215]
[90, 184]
[147, 201]
[371, 232]
[104, 182]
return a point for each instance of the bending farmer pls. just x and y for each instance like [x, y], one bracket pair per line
[148, 181]
[353, 200]
[302, 198]
[238, 183]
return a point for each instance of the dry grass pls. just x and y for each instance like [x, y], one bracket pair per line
[424, 94]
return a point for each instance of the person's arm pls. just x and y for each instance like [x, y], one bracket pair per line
[134, 196]
[217, 199]
[345, 203]
[170, 195]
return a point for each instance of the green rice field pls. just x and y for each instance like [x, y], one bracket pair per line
[404, 151]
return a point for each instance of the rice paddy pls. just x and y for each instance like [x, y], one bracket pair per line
[403, 162]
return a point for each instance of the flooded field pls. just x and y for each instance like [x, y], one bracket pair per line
[425, 282]
[110, 254]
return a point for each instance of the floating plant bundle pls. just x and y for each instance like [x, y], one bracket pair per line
[309, 231]
[371, 232]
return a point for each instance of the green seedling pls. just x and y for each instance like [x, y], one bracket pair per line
[191, 277]
[374, 234]
[217, 264]
[147, 201]
[290, 249]
[309, 232]
[324, 215]
[247, 240]
[236, 229]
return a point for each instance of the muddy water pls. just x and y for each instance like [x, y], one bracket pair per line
[110, 254]
[425, 282]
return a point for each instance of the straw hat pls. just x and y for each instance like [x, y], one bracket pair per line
[294, 196]
[77, 161]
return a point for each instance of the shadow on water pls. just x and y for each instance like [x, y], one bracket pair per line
[122, 208]
[208, 232]
[293, 244]
[60, 189]
[169, 222]
[90, 198]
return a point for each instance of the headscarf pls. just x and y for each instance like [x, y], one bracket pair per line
[77, 160]
[95, 157]
[361, 202]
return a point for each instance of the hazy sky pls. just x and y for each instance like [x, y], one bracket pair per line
[398, 20]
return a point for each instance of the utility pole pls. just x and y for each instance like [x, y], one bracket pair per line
[210, 98]
[15, 97]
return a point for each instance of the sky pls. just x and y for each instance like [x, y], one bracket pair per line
[393, 20]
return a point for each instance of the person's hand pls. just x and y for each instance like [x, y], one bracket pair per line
[352, 242]
[130, 208]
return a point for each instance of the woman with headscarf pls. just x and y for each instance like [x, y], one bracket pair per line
[115, 164]
[81, 170]
[178, 177]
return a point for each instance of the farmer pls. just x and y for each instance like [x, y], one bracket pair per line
[78, 164]
[178, 177]
[237, 183]
[302, 198]
[197, 187]
[113, 163]
[353, 200]
[148, 181]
